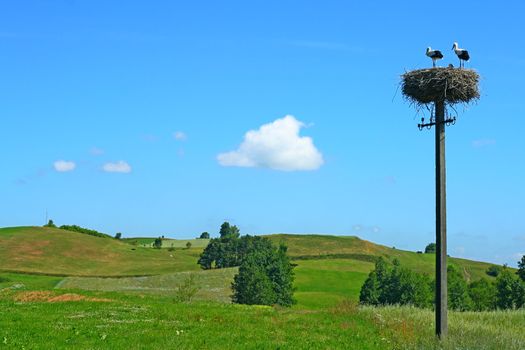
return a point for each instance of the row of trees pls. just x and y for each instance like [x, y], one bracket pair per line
[265, 274]
[395, 284]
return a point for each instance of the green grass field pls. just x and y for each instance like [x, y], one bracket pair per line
[132, 311]
[167, 242]
[54, 251]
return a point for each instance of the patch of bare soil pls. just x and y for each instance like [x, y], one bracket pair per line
[50, 297]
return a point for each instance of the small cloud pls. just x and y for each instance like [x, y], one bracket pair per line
[118, 167]
[95, 151]
[64, 166]
[483, 143]
[179, 136]
[277, 146]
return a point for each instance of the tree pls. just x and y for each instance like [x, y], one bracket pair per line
[157, 243]
[483, 295]
[506, 290]
[118, 235]
[458, 296]
[430, 248]
[229, 232]
[225, 229]
[204, 235]
[188, 245]
[50, 223]
[265, 277]
[395, 285]
[521, 268]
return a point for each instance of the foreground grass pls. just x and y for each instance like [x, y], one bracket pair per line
[159, 323]
[35, 315]
[412, 328]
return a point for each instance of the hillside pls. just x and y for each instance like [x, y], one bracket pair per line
[43, 250]
[315, 247]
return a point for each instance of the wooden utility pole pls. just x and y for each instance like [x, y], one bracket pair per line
[441, 224]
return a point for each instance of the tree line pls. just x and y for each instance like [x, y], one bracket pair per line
[391, 283]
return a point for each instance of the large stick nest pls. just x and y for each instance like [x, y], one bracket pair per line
[452, 85]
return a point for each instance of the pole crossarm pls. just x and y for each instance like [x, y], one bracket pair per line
[447, 122]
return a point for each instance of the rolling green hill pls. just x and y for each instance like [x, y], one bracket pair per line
[43, 250]
[329, 268]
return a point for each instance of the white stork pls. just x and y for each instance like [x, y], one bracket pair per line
[462, 54]
[434, 54]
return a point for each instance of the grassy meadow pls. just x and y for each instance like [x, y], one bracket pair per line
[61, 289]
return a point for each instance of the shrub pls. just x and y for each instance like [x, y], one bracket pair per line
[204, 235]
[118, 235]
[187, 289]
[188, 245]
[458, 296]
[510, 291]
[78, 229]
[157, 243]
[483, 295]
[493, 270]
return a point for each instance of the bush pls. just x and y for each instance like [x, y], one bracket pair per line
[78, 229]
[493, 270]
[483, 295]
[187, 289]
[4, 279]
[157, 243]
[118, 235]
[204, 235]
[188, 245]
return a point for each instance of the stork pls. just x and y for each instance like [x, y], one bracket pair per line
[434, 55]
[462, 54]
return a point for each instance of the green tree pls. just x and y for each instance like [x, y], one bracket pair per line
[458, 296]
[210, 255]
[430, 248]
[506, 290]
[157, 243]
[50, 223]
[483, 295]
[521, 268]
[118, 235]
[493, 270]
[225, 230]
[204, 235]
[188, 245]
[265, 276]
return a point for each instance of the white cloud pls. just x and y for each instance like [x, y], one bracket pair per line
[179, 136]
[276, 145]
[64, 166]
[117, 167]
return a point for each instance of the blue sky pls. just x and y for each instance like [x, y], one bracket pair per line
[114, 117]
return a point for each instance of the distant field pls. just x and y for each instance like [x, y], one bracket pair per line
[214, 285]
[350, 247]
[167, 242]
[55, 251]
